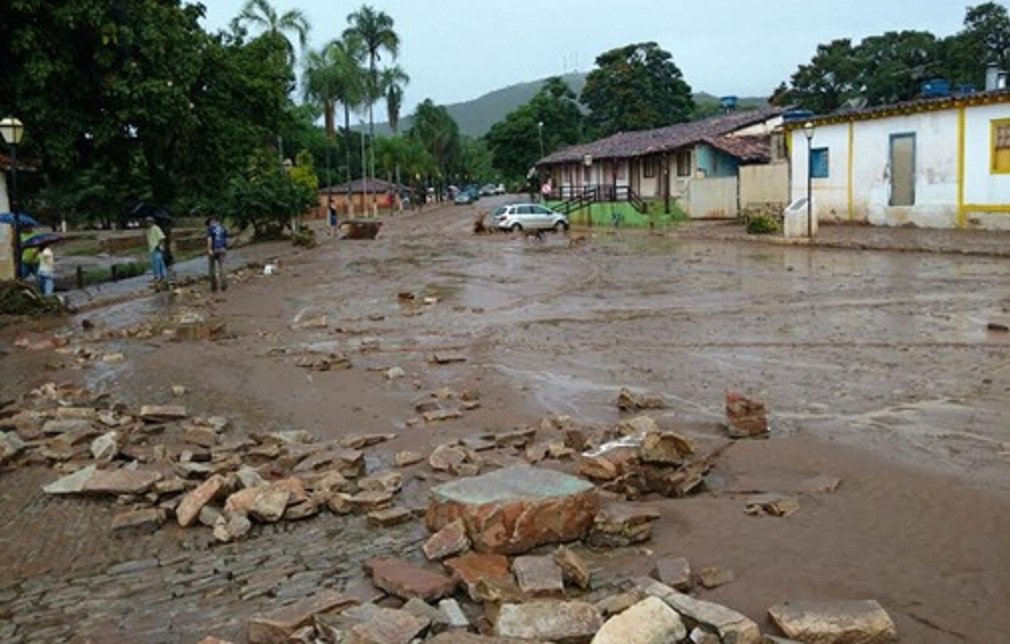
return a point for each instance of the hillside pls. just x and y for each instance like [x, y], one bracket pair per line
[476, 117]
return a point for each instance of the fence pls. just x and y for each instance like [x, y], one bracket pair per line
[714, 198]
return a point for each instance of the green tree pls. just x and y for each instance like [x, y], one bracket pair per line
[438, 133]
[893, 66]
[985, 40]
[476, 159]
[827, 81]
[265, 197]
[515, 141]
[262, 15]
[636, 87]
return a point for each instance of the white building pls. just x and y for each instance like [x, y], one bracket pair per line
[933, 162]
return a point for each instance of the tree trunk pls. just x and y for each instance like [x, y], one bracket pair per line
[347, 155]
[328, 117]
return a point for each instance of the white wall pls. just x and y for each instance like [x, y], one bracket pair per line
[936, 170]
[5, 204]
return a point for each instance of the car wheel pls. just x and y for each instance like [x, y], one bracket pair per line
[516, 228]
[560, 227]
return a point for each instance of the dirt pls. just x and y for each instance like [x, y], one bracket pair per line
[876, 366]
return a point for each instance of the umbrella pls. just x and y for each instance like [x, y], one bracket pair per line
[143, 210]
[41, 239]
[26, 220]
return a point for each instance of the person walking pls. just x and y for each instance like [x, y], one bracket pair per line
[47, 270]
[331, 214]
[156, 248]
[217, 246]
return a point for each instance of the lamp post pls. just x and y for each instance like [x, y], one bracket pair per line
[540, 137]
[808, 131]
[11, 129]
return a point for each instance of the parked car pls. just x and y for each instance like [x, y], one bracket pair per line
[500, 189]
[528, 216]
[467, 195]
[489, 190]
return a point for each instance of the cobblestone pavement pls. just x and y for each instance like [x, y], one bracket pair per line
[167, 586]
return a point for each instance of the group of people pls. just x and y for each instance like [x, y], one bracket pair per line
[217, 247]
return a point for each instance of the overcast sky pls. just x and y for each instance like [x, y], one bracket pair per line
[456, 50]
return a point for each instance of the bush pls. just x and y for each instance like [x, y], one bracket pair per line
[762, 225]
[267, 200]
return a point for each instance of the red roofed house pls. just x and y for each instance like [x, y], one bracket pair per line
[711, 168]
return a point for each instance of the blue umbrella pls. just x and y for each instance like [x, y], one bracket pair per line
[26, 220]
[40, 239]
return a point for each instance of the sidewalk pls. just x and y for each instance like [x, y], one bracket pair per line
[861, 237]
[111, 292]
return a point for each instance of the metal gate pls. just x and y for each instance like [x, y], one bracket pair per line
[714, 198]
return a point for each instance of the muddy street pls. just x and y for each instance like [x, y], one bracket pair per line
[876, 366]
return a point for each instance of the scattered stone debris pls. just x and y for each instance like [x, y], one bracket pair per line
[776, 505]
[675, 573]
[538, 576]
[556, 621]
[714, 576]
[627, 400]
[573, 567]
[281, 624]
[450, 540]
[650, 620]
[407, 458]
[834, 621]
[395, 373]
[746, 417]
[622, 524]
[406, 580]
[727, 624]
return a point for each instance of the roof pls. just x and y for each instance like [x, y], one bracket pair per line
[357, 186]
[664, 139]
[906, 107]
[749, 149]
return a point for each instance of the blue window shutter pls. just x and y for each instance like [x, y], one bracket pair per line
[819, 163]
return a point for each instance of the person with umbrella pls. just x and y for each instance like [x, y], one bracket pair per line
[46, 269]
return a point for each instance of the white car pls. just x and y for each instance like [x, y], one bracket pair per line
[528, 216]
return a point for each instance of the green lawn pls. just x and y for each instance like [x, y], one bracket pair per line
[603, 214]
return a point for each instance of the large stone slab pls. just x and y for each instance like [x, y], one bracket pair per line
[538, 576]
[388, 626]
[276, 627]
[406, 580]
[513, 510]
[195, 500]
[483, 574]
[555, 621]
[835, 622]
[71, 483]
[732, 627]
[650, 621]
[121, 481]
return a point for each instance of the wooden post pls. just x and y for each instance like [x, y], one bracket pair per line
[80, 276]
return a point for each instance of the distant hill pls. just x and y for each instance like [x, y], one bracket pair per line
[476, 117]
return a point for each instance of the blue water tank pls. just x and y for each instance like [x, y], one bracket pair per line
[797, 115]
[936, 87]
[728, 102]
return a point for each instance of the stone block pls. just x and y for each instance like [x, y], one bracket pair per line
[555, 621]
[650, 621]
[121, 481]
[731, 626]
[194, 501]
[406, 580]
[675, 573]
[451, 540]
[538, 576]
[277, 626]
[513, 510]
[835, 622]
[746, 417]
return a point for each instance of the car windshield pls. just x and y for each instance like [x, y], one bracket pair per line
[499, 210]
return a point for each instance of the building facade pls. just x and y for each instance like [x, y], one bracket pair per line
[935, 163]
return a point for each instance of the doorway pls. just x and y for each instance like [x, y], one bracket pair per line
[903, 169]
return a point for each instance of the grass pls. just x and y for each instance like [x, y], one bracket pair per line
[604, 214]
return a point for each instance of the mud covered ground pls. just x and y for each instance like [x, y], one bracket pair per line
[876, 365]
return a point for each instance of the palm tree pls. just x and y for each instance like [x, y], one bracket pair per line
[393, 80]
[259, 13]
[375, 29]
[319, 86]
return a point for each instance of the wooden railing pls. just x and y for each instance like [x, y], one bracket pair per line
[575, 198]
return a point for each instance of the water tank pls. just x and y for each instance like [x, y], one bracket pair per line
[797, 115]
[936, 87]
[995, 78]
[728, 103]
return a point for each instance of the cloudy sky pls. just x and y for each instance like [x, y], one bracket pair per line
[456, 50]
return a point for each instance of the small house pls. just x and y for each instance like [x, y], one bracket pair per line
[934, 162]
[355, 197]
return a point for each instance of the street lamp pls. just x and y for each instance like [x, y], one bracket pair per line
[540, 137]
[11, 129]
[808, 131]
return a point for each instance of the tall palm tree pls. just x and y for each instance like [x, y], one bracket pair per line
[319, 81]
[346, 56]
[375, 29]
[393, 81]
[260, 14]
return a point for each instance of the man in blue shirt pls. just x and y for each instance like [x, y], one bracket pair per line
[217, 246]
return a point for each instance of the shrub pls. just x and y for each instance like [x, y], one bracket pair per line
[762, 225]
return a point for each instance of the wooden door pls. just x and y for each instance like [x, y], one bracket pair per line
[903, 169]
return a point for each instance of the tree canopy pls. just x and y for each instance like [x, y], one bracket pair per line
[636, 87]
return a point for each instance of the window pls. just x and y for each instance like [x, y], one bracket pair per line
[684, 163]
[649, 167]
[819, 163]
[1001, 146]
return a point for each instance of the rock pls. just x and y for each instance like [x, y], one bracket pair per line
[538, 576]
[650, 621]
[616, 604]
[714, 576]
[730, 625]
[162, 413]
[747, 417]
[10, 446]
[389, 517]
[121, 481]
[573, 567]
[820, 484]
[447, 458]
[776, 505]
[209, 516]
[210, 639]
[1000, 327]
[302, 510]
[146, 520]
[105, 447]
[446, 358]
[459, 637]
[621, 524]
[194, 501]
[389, 482]
[610, 464]
[349, 462]
[513, 510]
[556, 621]
[665, 448]
[276, 627]
[339, 503]
[66, 426]
[700, 636]
[369, 501]
[451, 540]
[361, 441]
[675, 573]
[455, 616]
[519, 438]
[630, 401]
[76, 412]
[406, 580]
[441, 414]
[395, 373]
[407, 458]
[388, 626]
[835, 622]
[200, 435]
[475, 568]
[249, 477]
[308, 324]
[559, 450]
[270, 504]
[232, 527]
[420, 608]
[179, 390]
[638, 426]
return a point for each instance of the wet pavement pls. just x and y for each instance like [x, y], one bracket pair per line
[877, 367]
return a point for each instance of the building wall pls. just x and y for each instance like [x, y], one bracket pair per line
[764, 185]
[715, 163]
[858, 185]
[5, 204]
[6, 252]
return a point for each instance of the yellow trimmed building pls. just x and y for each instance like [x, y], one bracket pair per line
[933, 162]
